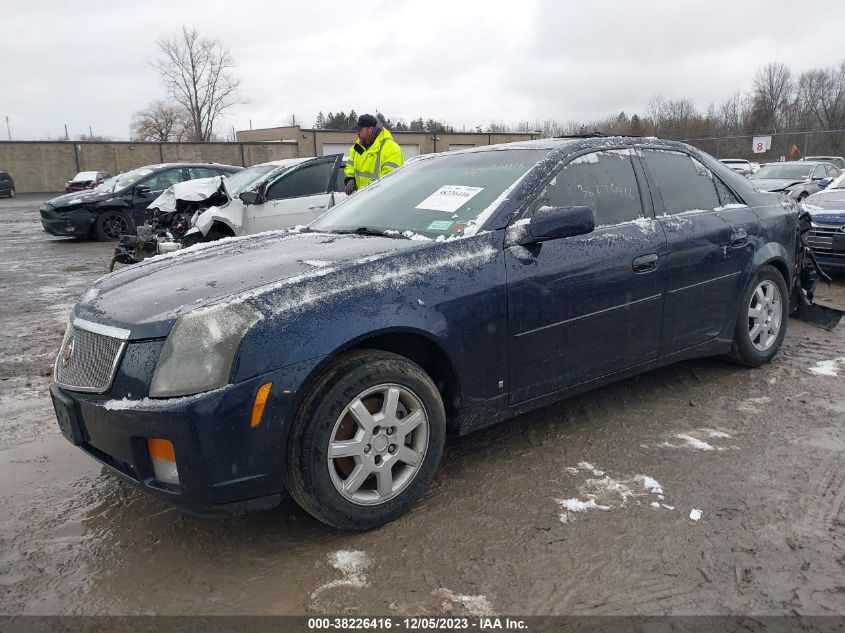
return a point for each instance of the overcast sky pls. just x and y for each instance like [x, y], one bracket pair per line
[466, 63]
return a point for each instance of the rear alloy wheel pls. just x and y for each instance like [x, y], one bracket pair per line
[761, 325]
[111, 225]
[367, 441]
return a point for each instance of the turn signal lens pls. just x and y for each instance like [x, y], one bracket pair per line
[260, 402]
[164, 460]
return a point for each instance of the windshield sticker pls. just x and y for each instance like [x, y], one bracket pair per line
[449, 198]
[440, 225]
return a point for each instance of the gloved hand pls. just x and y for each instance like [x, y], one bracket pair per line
[350, 187]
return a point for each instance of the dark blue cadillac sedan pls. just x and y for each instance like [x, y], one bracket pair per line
[465, 288]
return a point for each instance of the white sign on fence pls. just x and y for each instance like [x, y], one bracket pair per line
[761, 144]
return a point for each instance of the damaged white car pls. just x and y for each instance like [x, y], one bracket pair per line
[276, 195]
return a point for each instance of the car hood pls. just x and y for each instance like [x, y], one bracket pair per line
[188, 191]
[148, 297]
[827, 206]
[79, 198]
[775, 184]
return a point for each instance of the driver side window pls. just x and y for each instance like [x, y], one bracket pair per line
[306, 181]
[818, 172]
[603, 181]
[163, 180]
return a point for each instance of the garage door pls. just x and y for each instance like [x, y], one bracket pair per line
[336, 148]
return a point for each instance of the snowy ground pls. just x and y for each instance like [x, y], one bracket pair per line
[700, 488]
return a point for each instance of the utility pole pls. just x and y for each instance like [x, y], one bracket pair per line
[67, 137]
[8, 129]
[90, 133]
[250, 124]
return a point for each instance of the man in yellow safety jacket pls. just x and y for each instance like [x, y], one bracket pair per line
[373, 155]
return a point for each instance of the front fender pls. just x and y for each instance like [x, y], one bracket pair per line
[207, 218]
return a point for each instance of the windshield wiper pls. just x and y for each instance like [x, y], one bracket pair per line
[364, 230]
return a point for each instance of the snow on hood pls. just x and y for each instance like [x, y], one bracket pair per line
[827, 206]
[146, 298]
[188, 191]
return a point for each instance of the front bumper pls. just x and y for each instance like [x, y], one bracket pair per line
[224, 464]
[73, 223]
[827, 241]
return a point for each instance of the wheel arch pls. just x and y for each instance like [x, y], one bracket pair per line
[417, 346]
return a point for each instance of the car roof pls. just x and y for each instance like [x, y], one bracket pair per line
[286, 162]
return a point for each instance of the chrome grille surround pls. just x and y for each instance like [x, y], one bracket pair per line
[89, 356]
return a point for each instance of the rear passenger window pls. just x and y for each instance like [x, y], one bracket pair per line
[202, 172]
[684, 184]
[603, 181]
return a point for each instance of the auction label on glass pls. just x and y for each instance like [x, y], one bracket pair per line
[449, 198]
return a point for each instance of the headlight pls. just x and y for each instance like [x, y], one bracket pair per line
[200, 350]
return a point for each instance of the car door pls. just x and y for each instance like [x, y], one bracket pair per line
[586, 306]
[157, 183]
[711, 239]
[296, 197]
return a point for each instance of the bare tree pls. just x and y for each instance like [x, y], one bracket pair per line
[197, 72]
[160, 121]
[773, 93]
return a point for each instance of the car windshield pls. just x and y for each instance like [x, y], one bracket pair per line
[127, 179]
[434, 196]
[106, 185]
[85, 175]
[785, 171]
[236, 183]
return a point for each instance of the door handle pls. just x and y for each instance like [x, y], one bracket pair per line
[645, 263]
[739, 238]
[317, 206]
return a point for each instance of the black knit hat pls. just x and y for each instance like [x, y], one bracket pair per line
[367, 120]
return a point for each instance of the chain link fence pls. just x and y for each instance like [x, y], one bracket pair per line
[786, 146]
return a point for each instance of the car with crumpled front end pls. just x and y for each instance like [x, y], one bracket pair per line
[463, 289]
[827, 231]
[119, 204]
[797, 179]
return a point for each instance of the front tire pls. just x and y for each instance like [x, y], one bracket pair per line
[762, 320]
[110, 225]
[366, 441]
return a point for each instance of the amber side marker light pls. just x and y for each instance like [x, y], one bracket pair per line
[260, 403]
[164, 460]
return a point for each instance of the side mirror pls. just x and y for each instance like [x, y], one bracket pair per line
[824, 182]
[250, 197]
[552, 223]
[142, 190]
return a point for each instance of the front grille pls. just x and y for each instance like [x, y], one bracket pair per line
[89, 356]
[821, 239]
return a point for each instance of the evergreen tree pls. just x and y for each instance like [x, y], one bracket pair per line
[320, 121]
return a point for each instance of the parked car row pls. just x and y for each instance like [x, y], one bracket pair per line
[276, 195]
[118, 204]
[463, 289]
[797, 179]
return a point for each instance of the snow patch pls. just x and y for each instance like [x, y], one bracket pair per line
[475, 605]
[157, 404]
[317, 263]
[694, 514]
[695, 443]
[716, 434]
[353, 565]
[828, 367]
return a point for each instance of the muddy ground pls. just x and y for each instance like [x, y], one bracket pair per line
[760, 453]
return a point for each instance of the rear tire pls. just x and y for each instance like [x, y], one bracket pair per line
[384, 420]
[762, 319]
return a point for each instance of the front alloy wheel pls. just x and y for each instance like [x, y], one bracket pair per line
[378, 444]
[366, 440]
